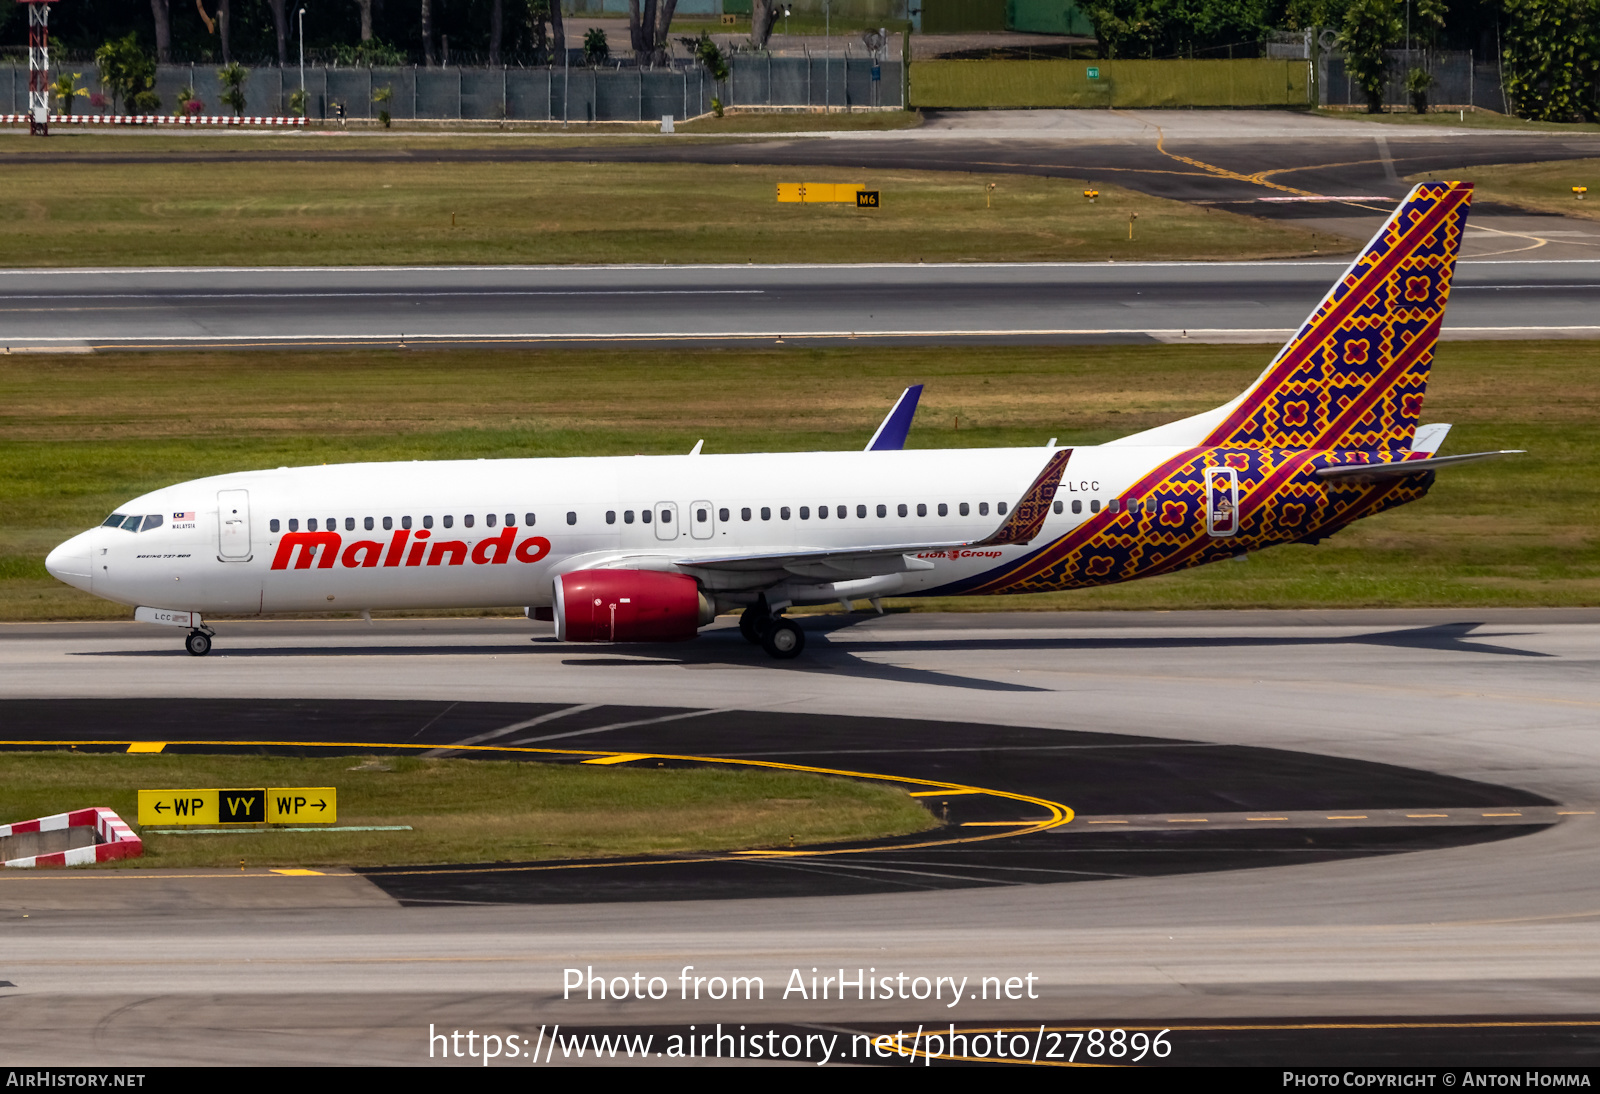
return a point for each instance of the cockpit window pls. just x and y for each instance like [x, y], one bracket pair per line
[115, 520]
[153, 520]
[131, 524]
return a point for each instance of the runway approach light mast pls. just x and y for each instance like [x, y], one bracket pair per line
[38, 67]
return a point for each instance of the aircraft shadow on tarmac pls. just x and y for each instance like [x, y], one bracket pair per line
[723, 648]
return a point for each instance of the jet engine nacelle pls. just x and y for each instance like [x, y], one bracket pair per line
[629, 606]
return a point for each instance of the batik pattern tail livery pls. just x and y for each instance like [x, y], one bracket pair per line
[1346, 389]
[1354, 375]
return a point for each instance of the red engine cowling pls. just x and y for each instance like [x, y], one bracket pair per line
[629, 606]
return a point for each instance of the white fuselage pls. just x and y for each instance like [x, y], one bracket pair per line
[435, 534]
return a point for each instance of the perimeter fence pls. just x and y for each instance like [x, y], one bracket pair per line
[840, 80]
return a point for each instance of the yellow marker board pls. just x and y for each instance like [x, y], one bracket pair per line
[812, 193]
[273, 805]
[178, 807]
[302, 805]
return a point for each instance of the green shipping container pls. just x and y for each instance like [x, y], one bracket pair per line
[962, 16]
[1047, 17]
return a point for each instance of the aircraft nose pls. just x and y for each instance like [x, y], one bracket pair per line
[70, 562]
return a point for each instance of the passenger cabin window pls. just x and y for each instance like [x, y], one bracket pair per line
[944, 510]
[965, 510]
[572, 518]
[611, 516]
[883, 511]
[349, 524]
[627, 516]
[722, 515]
[427, 522]
[922, 510]
[983, 508]
[367, 524]
[666, 516]
[1001, 509]
[1112, 505]
[766, 513]
[1133, 505]
[388, 523]
[405, 522]
[294, 524]
[783, 513]
[1094, 506]
[1057, 506]
[645, 515]
[272, 524]
[702, 515]
[1077, 505]
[822, 512]
[744, 514]
[901, 509]
[467, 520]
[490, 520]
[861, 511]
[805, 512]
[527, 520]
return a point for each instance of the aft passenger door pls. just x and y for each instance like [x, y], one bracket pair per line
[702, 520]
[1222, 502]
[666, 520]
[233, 525]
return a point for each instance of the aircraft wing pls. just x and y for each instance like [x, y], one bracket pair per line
[892, 431]
[1020, 526]
[1372, 471]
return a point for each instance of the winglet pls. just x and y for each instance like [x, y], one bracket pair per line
[1027, 518]
[891, 434]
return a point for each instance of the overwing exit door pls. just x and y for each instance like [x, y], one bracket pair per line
[702, 520]
[666, 520]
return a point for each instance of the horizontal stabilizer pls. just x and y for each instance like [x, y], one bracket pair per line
[1429, 438]
[1399, 468]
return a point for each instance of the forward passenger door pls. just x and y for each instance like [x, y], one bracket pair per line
[233, 525]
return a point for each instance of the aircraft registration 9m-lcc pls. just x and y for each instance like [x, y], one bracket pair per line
[651, 548]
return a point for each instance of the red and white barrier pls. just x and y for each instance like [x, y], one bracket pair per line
[153, 119]
[117, 840]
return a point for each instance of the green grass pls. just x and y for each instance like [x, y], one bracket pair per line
[1543, 187]
[81, 435]
[467, 810]
[187, 214]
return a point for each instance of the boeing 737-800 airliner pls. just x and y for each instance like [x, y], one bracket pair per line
[651, 548]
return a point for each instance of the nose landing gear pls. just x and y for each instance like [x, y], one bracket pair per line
[199, 641]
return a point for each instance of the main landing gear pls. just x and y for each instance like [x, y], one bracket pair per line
[198, 642]
[781, 638]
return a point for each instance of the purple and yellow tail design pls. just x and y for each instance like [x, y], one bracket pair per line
[1355, 373]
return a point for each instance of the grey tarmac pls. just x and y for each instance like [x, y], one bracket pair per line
[248, 967]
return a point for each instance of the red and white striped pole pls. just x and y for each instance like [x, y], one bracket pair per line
[38, 67]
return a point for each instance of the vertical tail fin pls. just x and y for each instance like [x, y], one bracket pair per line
[1354, 375]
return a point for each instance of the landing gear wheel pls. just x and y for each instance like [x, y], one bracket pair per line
[752, 621]
[784, 639]
[198, 643]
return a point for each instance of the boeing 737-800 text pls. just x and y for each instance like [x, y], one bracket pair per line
[651, 548]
